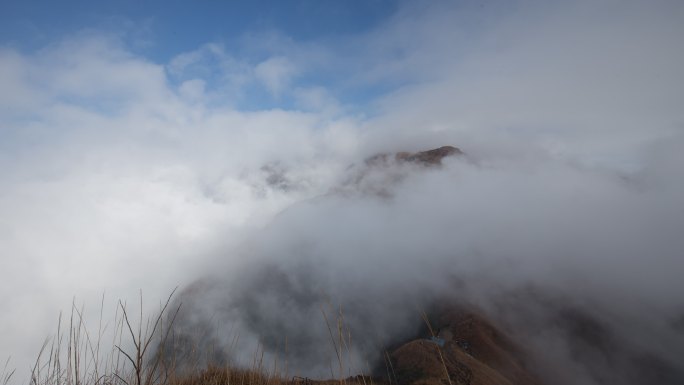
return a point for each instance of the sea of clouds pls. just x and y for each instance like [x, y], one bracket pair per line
[119, 174]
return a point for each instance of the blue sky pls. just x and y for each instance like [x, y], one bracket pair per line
[334, 42]
[165, 28]
[161, 30]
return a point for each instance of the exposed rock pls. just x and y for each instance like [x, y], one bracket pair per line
[426, 158]
[380, 173]
[430, 157]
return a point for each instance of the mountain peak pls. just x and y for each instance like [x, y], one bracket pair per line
[427, 158]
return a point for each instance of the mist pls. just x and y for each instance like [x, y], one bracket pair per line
[521, 238]
[121, 174]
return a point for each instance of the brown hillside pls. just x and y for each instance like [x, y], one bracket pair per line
[467, 351]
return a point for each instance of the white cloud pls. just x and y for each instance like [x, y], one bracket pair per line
[317, 99]
[17, 92]
[275, 73]
[588, 79]
[192, 90]
[119, 181]
[115, 169]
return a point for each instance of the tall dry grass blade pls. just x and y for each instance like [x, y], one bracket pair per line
[6, 377]
[439, 350]
[332, 338]
[389, 366]
[35, 373]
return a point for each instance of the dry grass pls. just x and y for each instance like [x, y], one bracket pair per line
[76, 355]
[439, 349]
[6, 374]
[133, 353]
[227, 376]
[341, 339]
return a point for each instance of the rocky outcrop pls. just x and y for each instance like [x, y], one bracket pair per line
[432, 157]
[379, 174]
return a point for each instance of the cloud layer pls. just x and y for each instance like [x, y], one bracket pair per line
[120, 174]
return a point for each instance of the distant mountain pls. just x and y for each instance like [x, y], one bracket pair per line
[520, 335]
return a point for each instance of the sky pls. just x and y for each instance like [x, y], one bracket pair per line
[160, 31]
[163, 29]
[139, 143]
